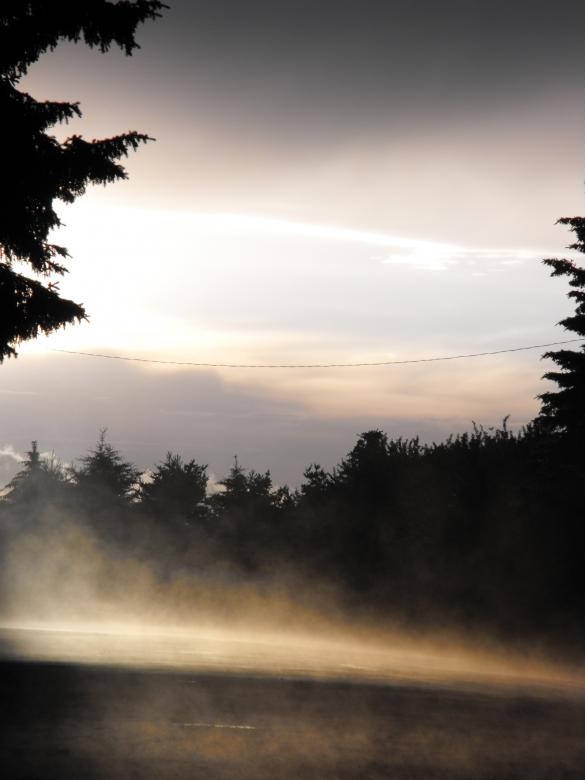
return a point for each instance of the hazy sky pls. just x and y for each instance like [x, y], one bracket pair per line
[331, 182]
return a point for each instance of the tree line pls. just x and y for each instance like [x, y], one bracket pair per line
[484, 529]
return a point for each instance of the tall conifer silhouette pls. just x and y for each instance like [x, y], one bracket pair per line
[37, 169]
[564, 410]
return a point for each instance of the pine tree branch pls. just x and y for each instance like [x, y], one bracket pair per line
[28, 28]
[29, 308]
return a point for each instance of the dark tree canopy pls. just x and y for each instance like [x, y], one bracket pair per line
[104, 476]
[40, 479]
[564, 410]
[176, 488]
[316, 485]
[37, 168]
[244, 489]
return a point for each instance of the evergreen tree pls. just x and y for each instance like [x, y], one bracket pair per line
[244, 513]
[235, 487]
[244, 492]
[365, 473]
[176, 489]
[564, 410]
[37, 169]
[316, 486]
[364, 481]
[39, 480]
[104, 476]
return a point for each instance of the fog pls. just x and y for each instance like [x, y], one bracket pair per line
[68, 598]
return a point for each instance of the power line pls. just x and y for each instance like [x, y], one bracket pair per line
[315, 365]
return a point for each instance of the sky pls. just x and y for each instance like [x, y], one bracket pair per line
[331, 182]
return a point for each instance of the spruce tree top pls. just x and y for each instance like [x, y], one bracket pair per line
[563, 411]
[38, 170]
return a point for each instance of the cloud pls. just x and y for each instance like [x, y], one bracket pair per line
[7, 451]
[278, 420]
[10, 464]
[18, 392]
[434, 256]
[207, 248]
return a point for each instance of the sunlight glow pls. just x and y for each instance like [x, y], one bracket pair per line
[180, 224]
[234, 288]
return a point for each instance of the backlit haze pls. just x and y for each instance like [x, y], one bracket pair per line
[332, 182]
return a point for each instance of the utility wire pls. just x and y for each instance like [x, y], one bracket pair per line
[315, 365]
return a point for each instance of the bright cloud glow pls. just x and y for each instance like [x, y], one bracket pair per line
[225, 287]
[180, 227]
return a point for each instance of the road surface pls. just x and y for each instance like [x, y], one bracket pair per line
[82, 720]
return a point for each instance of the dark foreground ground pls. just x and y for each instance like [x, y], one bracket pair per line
[81, 721]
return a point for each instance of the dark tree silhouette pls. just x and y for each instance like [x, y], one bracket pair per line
[316, 486]
[242, 490]
[244, 514]
[176, 489]
[365, 472]
[104, 476]
[39, 480]
[564, 410]
[37, 169]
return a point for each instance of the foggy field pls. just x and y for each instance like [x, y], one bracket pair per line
[188, 719]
